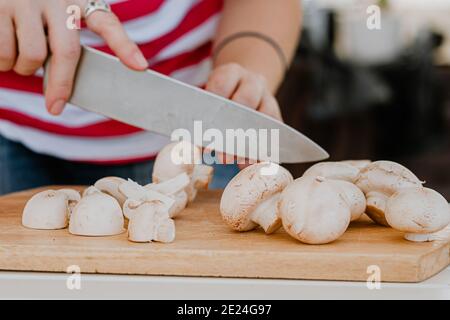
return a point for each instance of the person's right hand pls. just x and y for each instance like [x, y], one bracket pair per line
[25, 46]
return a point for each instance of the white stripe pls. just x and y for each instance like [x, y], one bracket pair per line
[196, 75]
[34, 105]
[150, 27]
[85, 149]
[190, 41]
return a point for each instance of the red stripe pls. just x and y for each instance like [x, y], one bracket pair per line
[198, 15]
[109, 128]
[132, 9]
[184, 60]
[12, 80]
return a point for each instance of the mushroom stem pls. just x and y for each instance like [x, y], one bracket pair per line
[266, 216]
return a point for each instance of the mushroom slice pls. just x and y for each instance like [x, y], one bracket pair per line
[314, 210]
[46, 210]
[379, 181]
[110, 185]
[333, 170]
[97, 214]
[135, 191]
[182, 157]
[150, 222]
[419, 212]
[250, 199]
[174, 188]
[90, 190]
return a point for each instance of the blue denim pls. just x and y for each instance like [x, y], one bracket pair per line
[21, 169]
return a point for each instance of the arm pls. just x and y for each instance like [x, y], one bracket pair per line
[249, 70]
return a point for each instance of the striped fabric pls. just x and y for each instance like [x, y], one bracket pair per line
[176, 38]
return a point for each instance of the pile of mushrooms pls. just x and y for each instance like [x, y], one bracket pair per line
[104, 208]
[318, 207]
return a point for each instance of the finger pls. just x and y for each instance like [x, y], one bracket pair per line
[269, 106]
[108, 26]
[32, 44]
[8, 44]
[65, 48]
[224, 80]
[250, 91]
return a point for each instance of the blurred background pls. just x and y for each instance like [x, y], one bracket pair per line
[379, 94]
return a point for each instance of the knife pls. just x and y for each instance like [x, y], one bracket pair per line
[157, 103]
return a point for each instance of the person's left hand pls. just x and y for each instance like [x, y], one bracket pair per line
[248, 88]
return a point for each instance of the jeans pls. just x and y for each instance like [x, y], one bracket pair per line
[21, 169]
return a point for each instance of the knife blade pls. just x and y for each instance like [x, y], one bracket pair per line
[157, 103]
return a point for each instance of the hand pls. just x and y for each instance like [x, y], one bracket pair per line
[234, 82]
[26, 21]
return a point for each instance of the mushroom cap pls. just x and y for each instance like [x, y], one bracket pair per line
[46, 210]
[359, 164]
[97, 214]
[110, 185]
[418, 210]
[174, 159]
[247, 190]
[386, 177]
[314, 211]
[379, 181]
[353, 196]
[333, 170]
[135, 191]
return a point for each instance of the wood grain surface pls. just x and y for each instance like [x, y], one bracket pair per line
[204, 246]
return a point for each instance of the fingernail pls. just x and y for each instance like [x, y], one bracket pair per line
[57, 107]
[140, 60]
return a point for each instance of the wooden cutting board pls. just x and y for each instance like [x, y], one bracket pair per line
[204, 246]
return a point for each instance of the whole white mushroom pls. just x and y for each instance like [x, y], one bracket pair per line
[419, 212]
[314, 210]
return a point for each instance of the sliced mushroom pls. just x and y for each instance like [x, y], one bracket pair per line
[420, 212]
[150, 222]
[136, 193]
[49, 210]
[97, 214]
[379, 181]
[110, 185]
[314, 210]
[174, 188]
[333, 170]
[73, 198]
[182, 157]
[250, 199]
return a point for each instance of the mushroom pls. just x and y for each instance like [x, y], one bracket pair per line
[359, 164]
[420, 212]
[333, 170]
[96, 214]
[250, 199]
[182, 157]
[110, 185]
[174, 188]
[150, 222]
[379, 181]
[137, 194]
[353, 196]
[314, 210]
[49, 210]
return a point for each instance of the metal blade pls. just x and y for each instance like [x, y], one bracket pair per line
[154, 102]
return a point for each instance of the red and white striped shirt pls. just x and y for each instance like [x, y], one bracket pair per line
[176, 38]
